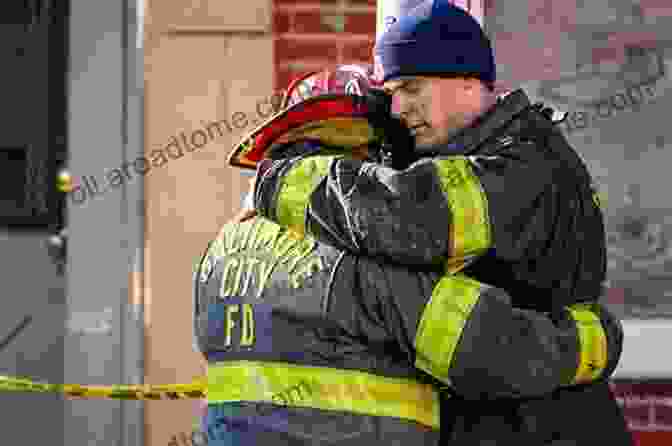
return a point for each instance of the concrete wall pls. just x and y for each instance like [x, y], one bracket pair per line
[205, 62]
[103, 344]
[89, 334]
[31, 288]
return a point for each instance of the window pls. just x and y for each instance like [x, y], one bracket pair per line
[33, 56]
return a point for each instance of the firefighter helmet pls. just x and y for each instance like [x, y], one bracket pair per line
[326, 105]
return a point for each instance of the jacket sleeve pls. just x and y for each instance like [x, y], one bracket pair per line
[470, 337]
[441, 208]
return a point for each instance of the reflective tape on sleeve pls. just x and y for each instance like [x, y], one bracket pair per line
[298, 184]
[592, 341]
[442, 322]
[470, 231]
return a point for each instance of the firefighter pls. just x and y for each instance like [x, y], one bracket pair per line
[497, 194]
[309, 344]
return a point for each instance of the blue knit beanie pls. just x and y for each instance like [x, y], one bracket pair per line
[435, 38]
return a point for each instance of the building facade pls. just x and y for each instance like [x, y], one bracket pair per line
[157, 94]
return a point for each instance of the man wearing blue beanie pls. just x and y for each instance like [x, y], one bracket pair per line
[496, 194]
[440, 62]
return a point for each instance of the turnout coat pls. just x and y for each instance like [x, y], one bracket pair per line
[507, 204]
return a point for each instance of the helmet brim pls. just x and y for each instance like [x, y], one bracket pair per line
[336, 120]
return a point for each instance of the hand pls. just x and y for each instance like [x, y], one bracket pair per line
[397, 142]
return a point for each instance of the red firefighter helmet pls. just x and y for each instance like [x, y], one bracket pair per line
[324, 105]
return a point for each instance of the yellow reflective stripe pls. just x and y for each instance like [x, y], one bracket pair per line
[593, 343]
[323, 388]
[600, 199]
[470, 226]
[295, 191]
[442, 323]
[344, 133]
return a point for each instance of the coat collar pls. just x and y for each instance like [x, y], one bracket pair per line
[508, 106]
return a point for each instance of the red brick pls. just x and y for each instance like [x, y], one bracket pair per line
[284, 76]
[636, 413]
[316, 22]
[621, 388]
[358, 51]
[281, 80]
[293, 49]
[488, 6]
[664, 413]
[314, 2]
[656, 4]
[608, 54]
[281, 22]
[615, 296]
[504, 36]
[362, 2]
[540, 13]
[639, 397]
[654, 438]
[361, 23]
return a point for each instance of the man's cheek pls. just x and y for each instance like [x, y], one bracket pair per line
[437, 113]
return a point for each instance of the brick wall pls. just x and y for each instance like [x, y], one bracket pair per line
[312, 33]
[309, 34]
[647, 407]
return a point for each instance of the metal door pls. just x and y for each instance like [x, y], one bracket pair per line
[33, 61]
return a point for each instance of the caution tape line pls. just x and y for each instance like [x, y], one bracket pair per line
[194, 390]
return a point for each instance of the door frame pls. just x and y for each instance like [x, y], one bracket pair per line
[106, 232]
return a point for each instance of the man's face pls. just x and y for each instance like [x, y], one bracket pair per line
[435, 108]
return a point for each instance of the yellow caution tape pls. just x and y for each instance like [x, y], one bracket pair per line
[194, 390]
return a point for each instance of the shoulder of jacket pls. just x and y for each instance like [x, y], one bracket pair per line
[508, 143]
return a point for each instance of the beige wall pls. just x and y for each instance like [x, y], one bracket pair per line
[204, 61]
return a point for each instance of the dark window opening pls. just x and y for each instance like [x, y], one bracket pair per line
[33, 85]
[12, 171]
